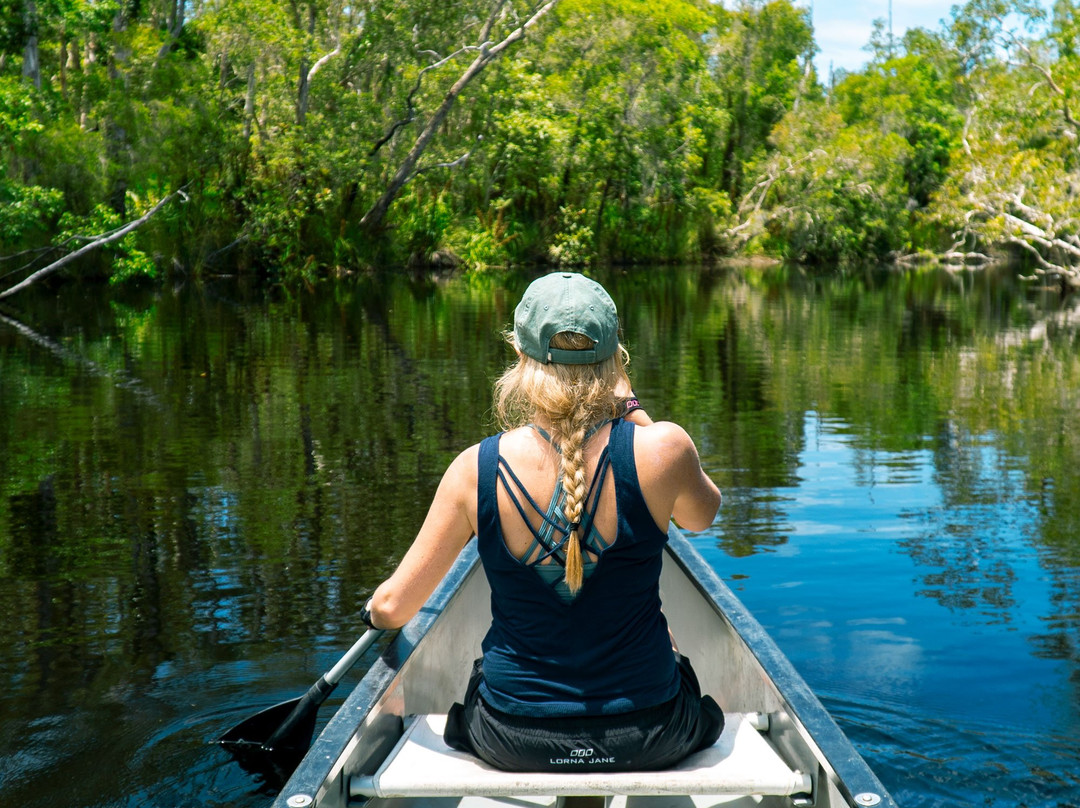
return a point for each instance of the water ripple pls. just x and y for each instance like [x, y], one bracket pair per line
[928, 759]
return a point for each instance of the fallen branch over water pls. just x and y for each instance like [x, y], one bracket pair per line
[950, 259]
[89, 247]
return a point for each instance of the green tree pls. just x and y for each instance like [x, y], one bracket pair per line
[831, 192]
[1015, 182]
[909, 96]
[604, 138]
[762, 61]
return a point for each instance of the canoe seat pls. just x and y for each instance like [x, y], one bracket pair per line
[741, 762]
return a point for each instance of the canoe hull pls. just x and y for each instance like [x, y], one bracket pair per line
[424, 669]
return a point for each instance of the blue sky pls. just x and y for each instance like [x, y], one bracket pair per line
[842, 27]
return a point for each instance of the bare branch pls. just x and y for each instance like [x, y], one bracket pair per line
[410, 108]
[322, 60]
[115, 235]
[451, 164]
[519, 33]
[1042, 262]
[950, 259]
[485, 32]
[762, 187]
[972, 257]
[36, 251]
[1040, 236]
[405, 171]
[1055, 88]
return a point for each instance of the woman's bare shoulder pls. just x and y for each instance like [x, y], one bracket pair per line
[669, 470]
[665, 435]
[461, 475]
[466, 461]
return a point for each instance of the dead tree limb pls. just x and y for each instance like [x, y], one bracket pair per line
[115, 235]
[748, 213]
[410, 107]
[459, 161]
[1048, 77]
[488, 54]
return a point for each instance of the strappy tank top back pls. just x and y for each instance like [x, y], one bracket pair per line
[546, 555]
[606, 649]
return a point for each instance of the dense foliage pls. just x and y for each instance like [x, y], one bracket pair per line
[312, 136]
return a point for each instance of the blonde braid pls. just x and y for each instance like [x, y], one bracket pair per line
[573, 469]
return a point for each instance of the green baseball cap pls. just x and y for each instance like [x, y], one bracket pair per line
[566, 301]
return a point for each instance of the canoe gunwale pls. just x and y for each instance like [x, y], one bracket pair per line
[351, 738]
[816, 727]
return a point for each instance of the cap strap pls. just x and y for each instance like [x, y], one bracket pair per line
[562, 357]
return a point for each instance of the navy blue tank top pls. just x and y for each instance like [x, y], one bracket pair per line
[605, 651]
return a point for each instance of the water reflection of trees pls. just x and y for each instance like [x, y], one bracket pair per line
[967, 544]
[293, 449]
[295, 442]
[978, 373]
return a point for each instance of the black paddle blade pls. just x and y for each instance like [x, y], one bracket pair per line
[247, 742]
[258, 729]
[279, 733]
[276, 739]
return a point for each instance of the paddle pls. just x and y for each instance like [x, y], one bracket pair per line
[284, 731]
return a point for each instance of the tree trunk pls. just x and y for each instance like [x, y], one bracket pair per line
[117, 147]
[31, 68]
[304, 84]
[249, 102]
[175, 28]
[63, 64]
[374, 217]
[600, 210]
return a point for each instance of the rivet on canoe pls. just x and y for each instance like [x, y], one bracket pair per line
[299, 801]
[866, 798]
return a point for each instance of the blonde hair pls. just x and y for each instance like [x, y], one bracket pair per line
[572, 399]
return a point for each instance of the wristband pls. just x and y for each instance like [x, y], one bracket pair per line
[365, 614]
[629, 405]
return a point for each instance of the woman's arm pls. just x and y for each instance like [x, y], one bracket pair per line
[671, 478]
[450, 523]
[698, 499]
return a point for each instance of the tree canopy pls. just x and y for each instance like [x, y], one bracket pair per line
[311, 136]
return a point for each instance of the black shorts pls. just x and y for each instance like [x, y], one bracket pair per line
[653, 738]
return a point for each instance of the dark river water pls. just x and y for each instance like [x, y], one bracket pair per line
[200, 485]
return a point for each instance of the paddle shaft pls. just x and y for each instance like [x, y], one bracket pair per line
[303, 713]
[333, 676]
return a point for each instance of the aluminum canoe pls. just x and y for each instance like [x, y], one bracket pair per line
[424, 669]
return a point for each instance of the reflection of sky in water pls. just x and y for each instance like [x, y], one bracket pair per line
[910, 595]
[218, 592]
